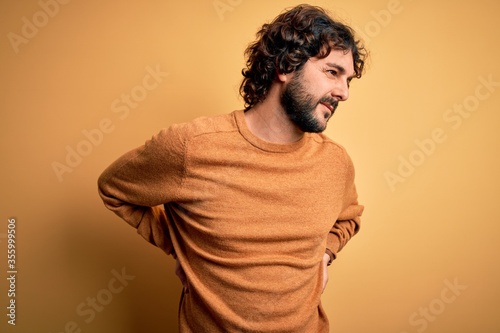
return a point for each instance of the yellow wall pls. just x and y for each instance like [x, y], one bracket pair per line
[422, 128]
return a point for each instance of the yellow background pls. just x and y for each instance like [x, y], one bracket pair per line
[436, 225]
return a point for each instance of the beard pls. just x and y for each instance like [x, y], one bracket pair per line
[300, 106]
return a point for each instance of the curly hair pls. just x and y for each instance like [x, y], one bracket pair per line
[285, 45]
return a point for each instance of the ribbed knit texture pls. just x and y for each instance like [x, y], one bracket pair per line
[249, 220]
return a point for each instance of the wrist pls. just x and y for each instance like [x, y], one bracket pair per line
[326, 259]
[329, 254]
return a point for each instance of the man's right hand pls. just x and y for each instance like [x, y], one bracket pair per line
[181, 275]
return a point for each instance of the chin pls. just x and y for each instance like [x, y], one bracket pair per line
[318, 128]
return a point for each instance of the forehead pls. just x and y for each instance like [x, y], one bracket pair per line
[337, 58]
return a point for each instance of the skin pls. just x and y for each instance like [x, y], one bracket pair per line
[324, 78]
[299, 105]
[324, 83]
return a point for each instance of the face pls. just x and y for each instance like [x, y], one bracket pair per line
[312, 93]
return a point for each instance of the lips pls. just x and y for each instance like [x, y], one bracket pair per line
[328, 106]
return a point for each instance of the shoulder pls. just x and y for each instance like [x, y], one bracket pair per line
[179, 133]
[202, 125]
[334, 152]
[324, 141]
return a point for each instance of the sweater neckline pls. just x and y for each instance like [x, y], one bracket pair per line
[239, 116]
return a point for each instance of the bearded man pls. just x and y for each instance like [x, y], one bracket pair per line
[254, 204]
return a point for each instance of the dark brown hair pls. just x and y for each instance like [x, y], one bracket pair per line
[284, 46]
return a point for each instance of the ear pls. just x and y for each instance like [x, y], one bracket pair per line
[282, 77]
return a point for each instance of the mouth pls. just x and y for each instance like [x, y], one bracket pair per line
[331, 107]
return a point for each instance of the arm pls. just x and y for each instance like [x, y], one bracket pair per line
[348, 221]
[136, 186]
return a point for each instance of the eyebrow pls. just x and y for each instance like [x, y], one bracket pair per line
[339, 68]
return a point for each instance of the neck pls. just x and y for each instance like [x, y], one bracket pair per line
[269, 121]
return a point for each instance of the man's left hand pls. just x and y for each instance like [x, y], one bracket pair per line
[326, 260]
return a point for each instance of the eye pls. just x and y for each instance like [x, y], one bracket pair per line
[332, 72]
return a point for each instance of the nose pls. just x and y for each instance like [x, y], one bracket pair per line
[341, 90]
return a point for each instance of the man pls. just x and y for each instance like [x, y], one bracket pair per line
[254, 205]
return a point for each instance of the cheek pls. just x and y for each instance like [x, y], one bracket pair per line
[319, 88]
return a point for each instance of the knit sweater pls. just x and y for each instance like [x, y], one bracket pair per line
[248, 220]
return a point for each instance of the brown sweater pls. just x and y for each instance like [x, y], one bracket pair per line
[249, 220]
